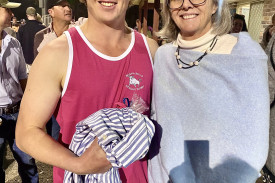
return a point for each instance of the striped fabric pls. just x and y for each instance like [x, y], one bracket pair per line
[123, 134]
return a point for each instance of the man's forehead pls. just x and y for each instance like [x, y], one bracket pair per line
[5, 9]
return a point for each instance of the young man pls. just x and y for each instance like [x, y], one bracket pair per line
[13, 78]
[15, 25]
[89, 68]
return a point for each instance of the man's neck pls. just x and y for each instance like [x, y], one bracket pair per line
[31, 18]
[111, 40]
[99, 31]
[59, 27]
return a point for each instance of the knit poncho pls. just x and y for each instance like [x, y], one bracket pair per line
[213, 119]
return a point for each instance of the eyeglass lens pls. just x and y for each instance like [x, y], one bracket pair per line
[175, 4]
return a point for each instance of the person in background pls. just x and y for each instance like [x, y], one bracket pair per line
[210, 98]
[39, 18]
[61, 14]
[268, 32]
[15, 25]
[239, 24]
[88, 68]
[10, 31]
[138, 25]
[22, 22]
[269, 169]
[26, 35]
[132, 13]
[13, 79]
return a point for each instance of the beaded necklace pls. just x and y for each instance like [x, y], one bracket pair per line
[184, 65]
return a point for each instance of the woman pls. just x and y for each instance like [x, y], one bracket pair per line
[238, 24]
[269, 169]
[210, 99]
[268, 32]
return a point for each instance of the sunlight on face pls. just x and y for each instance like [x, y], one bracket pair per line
[194, 21]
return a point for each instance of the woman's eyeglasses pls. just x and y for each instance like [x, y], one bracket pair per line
[177, 4]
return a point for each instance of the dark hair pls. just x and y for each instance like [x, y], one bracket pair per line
[52, 3]
[241, 17]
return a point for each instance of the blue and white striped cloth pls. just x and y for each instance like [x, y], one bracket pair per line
[123, 134]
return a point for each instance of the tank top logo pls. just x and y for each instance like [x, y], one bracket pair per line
[135, 81]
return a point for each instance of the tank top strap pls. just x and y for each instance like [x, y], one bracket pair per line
[141, 41]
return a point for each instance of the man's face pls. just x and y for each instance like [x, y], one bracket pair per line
[14, 20]
[237, 26]
[5, 17]
[61, 12]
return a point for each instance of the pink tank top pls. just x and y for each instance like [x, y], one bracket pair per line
[95, 81]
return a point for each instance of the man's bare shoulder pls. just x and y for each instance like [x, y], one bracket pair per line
[56, 48]
[153, 46]
[60, 42]
[53, 57]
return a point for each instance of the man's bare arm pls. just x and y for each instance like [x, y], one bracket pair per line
[40, 99]
[153, 46]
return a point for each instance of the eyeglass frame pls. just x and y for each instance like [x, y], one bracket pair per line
[180, 7]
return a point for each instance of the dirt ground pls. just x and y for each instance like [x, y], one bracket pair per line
[10, 166]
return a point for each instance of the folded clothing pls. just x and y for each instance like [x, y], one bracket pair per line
[123, 134]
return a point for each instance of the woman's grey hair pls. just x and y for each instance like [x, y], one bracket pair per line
[221, 21]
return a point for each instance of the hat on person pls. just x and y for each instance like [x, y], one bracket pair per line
[31, 11]
[7, 4]
[52, 3]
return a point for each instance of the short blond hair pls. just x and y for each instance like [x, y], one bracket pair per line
[221, 21]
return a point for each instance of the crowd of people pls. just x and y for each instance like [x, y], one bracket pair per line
[71, 93]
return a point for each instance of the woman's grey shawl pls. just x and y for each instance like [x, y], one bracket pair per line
[213, 119]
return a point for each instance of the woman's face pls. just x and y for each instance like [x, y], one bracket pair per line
[194, 21]
[237, 26]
